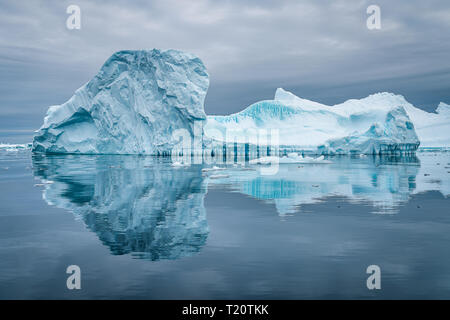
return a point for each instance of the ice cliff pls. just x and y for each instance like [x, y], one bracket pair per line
[132, 106]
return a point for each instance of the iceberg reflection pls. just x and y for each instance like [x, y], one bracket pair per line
[382, 182]
[134, 204]
[149, 208]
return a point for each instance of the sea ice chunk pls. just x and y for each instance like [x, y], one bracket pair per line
[14, 147]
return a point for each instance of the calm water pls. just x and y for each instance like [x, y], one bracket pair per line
[139, 227]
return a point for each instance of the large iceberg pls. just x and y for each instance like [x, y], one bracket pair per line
[133, 105]
[371, 125]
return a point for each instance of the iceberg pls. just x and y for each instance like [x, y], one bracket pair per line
[14, 147]
[395, 135]
[152, 102]
[367, 126]
[432, 128]
[134, 105]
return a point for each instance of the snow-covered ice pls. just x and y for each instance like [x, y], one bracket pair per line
[432, 128]
[367, 126]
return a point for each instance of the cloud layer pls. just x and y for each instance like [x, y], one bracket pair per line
[320, 50]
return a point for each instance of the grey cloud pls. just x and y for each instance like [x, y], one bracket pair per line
[321, 50]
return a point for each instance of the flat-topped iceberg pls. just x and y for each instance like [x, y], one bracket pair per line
[362, 126]
[133, 105]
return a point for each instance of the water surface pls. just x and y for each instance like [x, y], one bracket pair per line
[140, 227]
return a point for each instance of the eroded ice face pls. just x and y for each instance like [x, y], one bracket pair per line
[133, 105]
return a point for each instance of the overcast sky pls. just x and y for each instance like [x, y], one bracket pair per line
[320, 50]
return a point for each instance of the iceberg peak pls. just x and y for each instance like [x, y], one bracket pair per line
[283, 95]
[443, 108]
[290, 98]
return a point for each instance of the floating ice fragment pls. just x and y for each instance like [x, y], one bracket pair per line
[290, 158]
[179, 164]
[219, 176]
[214, 168]
[14, 147]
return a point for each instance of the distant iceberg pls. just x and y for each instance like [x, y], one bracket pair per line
[140, 101]
[14, 147]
